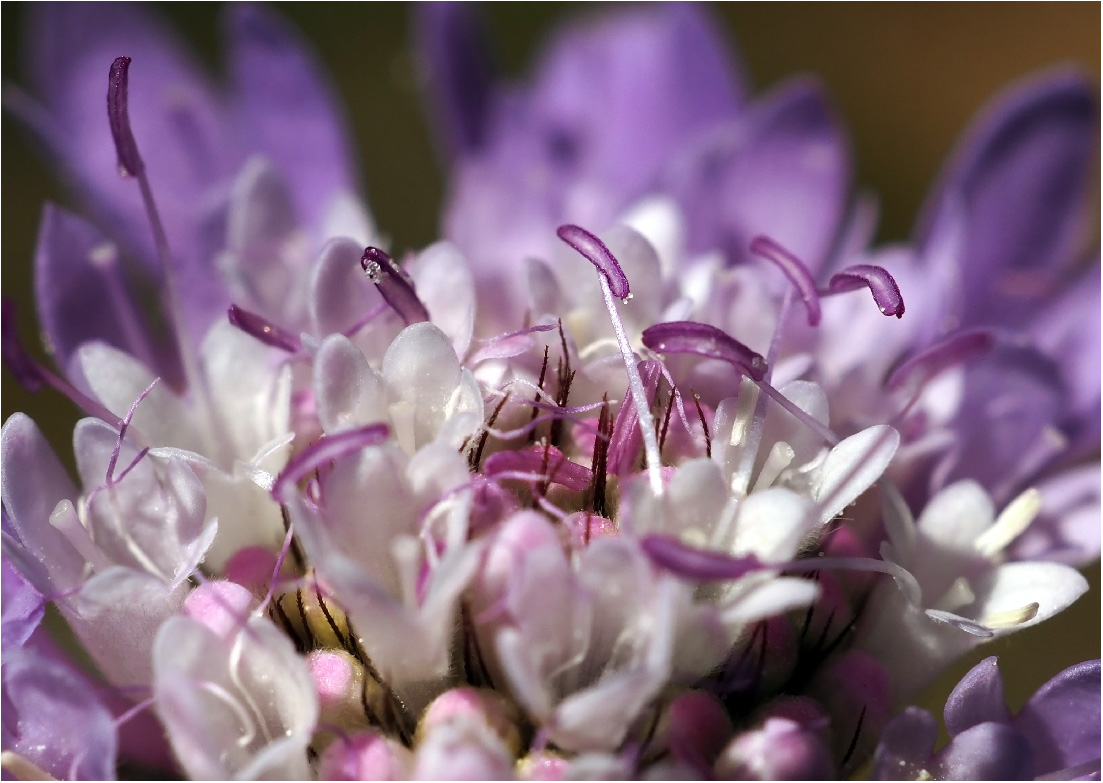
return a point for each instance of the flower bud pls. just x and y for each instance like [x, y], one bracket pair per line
[778, 750]
[365, 756]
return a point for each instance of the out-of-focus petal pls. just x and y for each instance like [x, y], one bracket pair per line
[1061, 720]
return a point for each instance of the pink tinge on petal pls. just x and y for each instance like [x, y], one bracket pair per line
[698, 564]
[886, 293]
[707, 341]
[595, 251]
[798, 274]
[268, 333]
[547, 461]
[118, 117]
[323, 451]
[364, 756]
[221, 606]
[959, 348]
[394, 285]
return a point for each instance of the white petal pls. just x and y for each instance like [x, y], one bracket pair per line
[421, 368]
[852, 467]
[446, 287]
[349, 393]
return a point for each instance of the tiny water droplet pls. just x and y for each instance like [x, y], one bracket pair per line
[374, 272]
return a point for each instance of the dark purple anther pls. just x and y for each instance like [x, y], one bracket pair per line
[697, 564]
[130, 163]
[394, 285]
[959, 348]
[595, 251]
[326, 450]
[704, 340]
[269, 334]
[879, 282]
[795, 270]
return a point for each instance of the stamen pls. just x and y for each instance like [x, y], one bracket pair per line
[625, 445]
[394, 285]
[540, 388]
[118, 117]
[327, 449]
[704, 425]
[269, 334]
[886, 293]
[707, 341]
[123, 426]
[959, 348]
[779, 458]
[1012, 617]
[795, 270]
[699, 564]
[130, 164]
[594, 250]
[614, 283]
[1012, 521]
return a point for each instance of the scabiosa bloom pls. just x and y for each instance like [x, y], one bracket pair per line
[602, 485]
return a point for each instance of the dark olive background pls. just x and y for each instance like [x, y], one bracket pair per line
[906, 78]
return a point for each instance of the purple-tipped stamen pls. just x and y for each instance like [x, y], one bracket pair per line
[394, 285]
[886, 293]
[959, 348]
[130, 162]
[798, 274]
[614, 283]
[624, 446]
[269, 334]
[326, 450]
[707, 341]
[698, 564]
[595, 251]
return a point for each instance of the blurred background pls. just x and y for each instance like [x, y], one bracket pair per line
[905, 77]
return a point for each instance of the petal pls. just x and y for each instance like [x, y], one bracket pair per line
[853, 466]
[906, 745]
[422, 370]
[447, 289]
[1067, 529]
[82, 294]
[977, 699]
[783, 171]
[348, 392]
[243, 707]
[1061, 720]
[61, 724]
[1021, 179]
[33, 483]
[987, 751]
[1012, 586]
[287, 109]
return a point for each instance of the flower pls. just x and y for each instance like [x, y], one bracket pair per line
[589, 487]
[1053, 734]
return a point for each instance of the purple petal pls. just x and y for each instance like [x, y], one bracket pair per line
[977, 699]
[704, 340]
[458, 71]
[987, 751]
[326, 450]
[795, 270]
[907, 743]
[1019, 181]
[1061, 720]
[616, 98]
[57, 718]
[23, 607]
[594, 250]
[879, 282]
[782, 171]
[82, 294]
[394, 285]
[698, 564]
[287, 109]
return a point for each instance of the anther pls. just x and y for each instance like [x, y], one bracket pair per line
[269, 334]
[130, 162]
[886, 293]
[705, 341]
[395, 286]
[794, 269]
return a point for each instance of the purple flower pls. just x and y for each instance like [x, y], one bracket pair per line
[587, 489]
[1054, 736]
